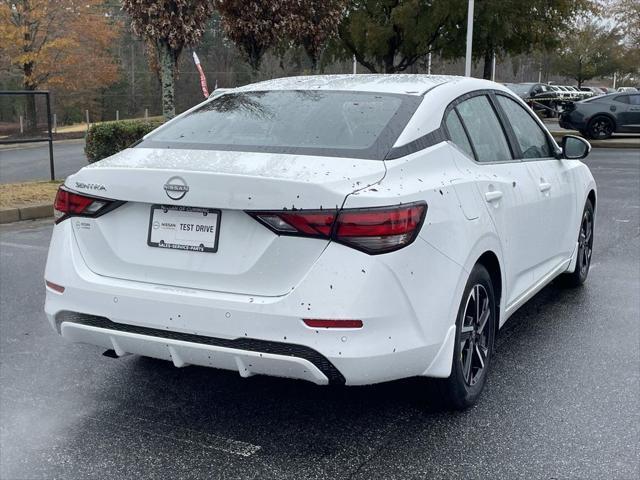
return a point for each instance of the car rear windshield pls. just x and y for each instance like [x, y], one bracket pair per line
[326, 123]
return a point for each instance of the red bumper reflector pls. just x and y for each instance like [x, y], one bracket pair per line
[316, 323]
[54, 286]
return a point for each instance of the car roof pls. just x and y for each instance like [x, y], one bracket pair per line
[608, 96]
[412, 84]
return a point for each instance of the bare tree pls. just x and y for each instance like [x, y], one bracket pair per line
[313, 23]
[169, 26]
[255, 26]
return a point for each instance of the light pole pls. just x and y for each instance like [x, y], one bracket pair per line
[467, 59]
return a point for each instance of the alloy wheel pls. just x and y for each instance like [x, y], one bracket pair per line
[474, 334]
[602, 128]
[585, 243]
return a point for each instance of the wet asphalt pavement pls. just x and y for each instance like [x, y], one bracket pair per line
[562, 400]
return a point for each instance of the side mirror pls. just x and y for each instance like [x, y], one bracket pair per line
[575, 148]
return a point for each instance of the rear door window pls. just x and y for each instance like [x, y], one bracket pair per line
[485, 130]
[532, 140]
[457, 134]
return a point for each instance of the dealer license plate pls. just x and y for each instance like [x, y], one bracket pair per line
[184, 228]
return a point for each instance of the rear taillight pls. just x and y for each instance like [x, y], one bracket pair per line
[380, 230]
[371, 230]
[72, 204]
[308, 223]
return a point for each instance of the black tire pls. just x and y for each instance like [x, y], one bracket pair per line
[585, 249]
[600, 127]
[468, 374]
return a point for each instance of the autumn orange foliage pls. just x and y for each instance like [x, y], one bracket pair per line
[59, 43]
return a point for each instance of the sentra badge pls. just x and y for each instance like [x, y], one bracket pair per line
[90, 186]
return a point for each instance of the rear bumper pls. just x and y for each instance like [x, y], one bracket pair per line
[407, 312]
[572, 121]
[249, 356]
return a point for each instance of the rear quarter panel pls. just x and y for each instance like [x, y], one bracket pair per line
[434, 284]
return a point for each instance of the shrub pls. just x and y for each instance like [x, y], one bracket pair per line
[105, 139]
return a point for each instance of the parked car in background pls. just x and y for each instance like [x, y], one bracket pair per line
[538, 92]
[602, 116]
[627, 89]
[561, 92]
[531, 90]
[594, 90]
[577, 93]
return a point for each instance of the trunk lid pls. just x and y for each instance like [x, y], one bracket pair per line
[250, 259]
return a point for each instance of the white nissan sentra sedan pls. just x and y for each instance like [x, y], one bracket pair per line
[347, 229]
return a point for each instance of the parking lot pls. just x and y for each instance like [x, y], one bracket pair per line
[561, 401]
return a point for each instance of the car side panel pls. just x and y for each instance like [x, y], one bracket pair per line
[557, 211]
[629, 117]
[428, 175]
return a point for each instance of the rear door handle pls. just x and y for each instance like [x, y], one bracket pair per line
[493, 195]
[544, 186]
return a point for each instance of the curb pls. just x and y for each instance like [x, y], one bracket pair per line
[31, 212]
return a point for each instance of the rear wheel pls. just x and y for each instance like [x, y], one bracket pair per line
[475, 335]
[600, 128]
[585, 249]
